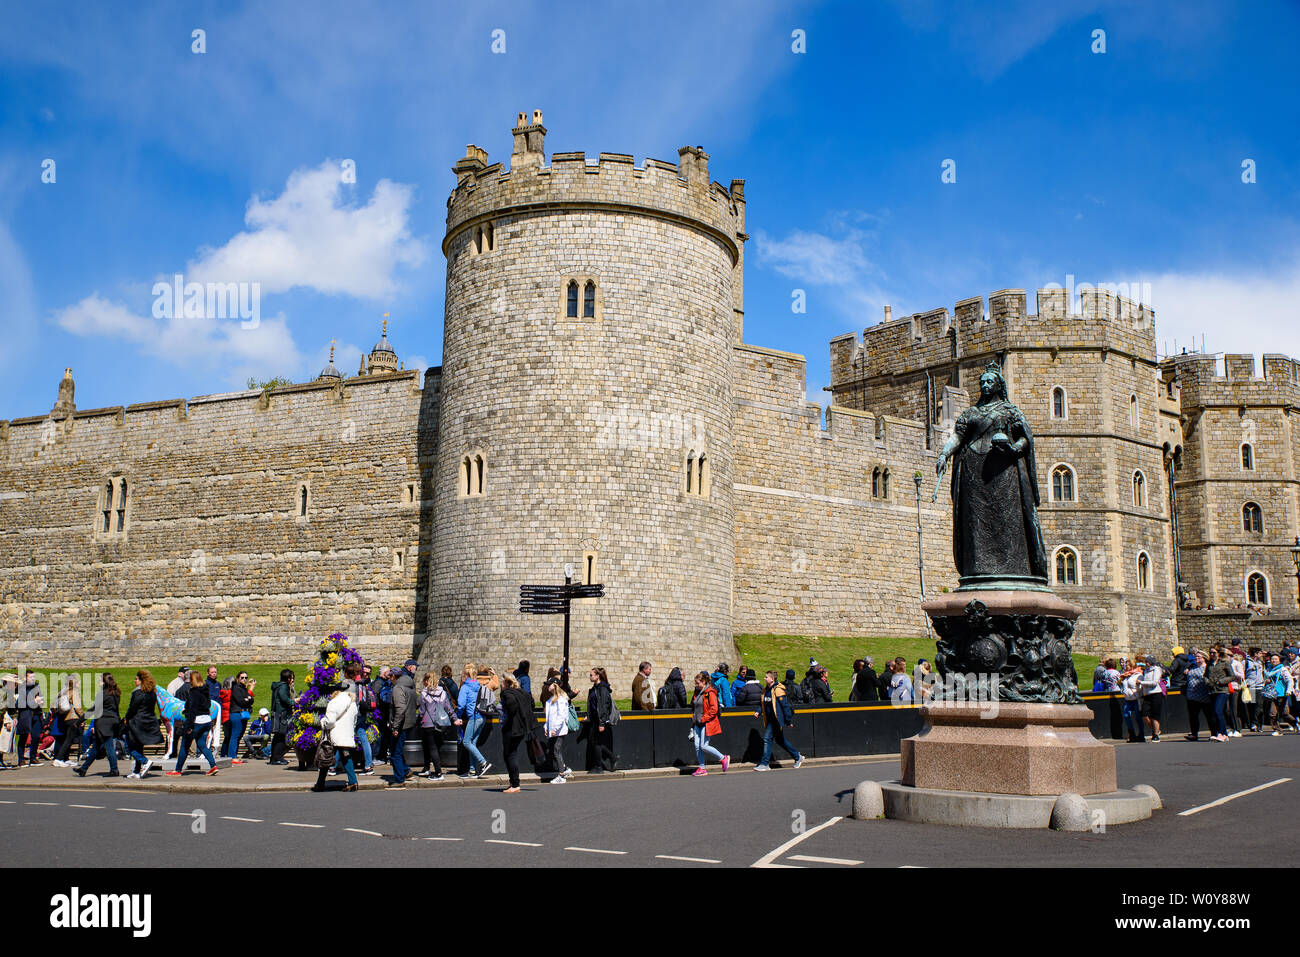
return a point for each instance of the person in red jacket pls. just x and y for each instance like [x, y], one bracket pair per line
[706, 722]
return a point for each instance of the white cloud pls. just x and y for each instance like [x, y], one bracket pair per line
[1246, 313]
[219, 345]
[838, 262]
[310, 237]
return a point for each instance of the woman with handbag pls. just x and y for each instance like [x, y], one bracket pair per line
[707, 723]
[71, 717]
[600, 731]
[340, 721]
[198, 724]
[108, 726]
[281, 714]
[560, 720]
[141, 723]
[517, 725]
[437, 715]
[8, 719]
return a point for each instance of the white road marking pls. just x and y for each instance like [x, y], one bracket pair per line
[247, 820]
[89, 807]
[691, 860]
[767, 859]
[179, 814]
[1230, 797]
[593, 850]
[442, 839]
[41, 803]
[824, 860]
[357, 830]
[492, 840]
[135, 810]
[8, 802]
[291, 824]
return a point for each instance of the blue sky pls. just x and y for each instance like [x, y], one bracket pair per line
[1122, 166]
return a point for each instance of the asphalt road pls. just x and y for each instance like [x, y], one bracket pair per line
[735, 819]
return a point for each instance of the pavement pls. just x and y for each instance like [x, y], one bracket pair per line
[1237, 795]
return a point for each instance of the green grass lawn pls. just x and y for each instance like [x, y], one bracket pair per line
[779, 652]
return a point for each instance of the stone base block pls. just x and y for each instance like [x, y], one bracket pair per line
[974, 809]
[1003, 747]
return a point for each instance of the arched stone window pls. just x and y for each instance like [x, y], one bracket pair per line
[1063, 484]
[121, 506]
[1252, 518]
[472, 479]
[1139, 489]
[302, 501]
[108, 508]
[571, 307]
[702, 479]
[690, 472]
[699, 477]
[1247, 457]
[1256, 589]
[1144, 571]
[589, 300]
[884, 484]
[1067, 566]
[111, 517]
[1133, 411]
[875, 482]
[1058, 403]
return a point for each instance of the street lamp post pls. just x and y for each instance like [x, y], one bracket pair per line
[1295, 557]
[920, 552]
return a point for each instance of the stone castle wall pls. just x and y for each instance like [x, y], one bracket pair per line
[587, 424]
[215, 563]
[1225, 412]
[816, 552]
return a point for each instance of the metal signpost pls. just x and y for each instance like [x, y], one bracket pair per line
[555, 600]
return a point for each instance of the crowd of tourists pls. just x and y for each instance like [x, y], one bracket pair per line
[1232, 688]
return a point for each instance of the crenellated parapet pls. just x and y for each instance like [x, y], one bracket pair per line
[1098, 320]
[1202, 385]
[679, 191]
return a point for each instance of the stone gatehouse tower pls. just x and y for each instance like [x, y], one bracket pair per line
[586, 407]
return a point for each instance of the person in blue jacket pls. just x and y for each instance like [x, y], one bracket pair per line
[721, 679]
[466, 707]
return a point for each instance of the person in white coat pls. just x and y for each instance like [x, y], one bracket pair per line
[556, 725]
[340, 723]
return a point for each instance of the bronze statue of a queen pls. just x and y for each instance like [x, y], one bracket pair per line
[996, 541]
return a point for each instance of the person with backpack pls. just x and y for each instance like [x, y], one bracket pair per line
[367, 704]
[472, 720]
[521, 676]
[560, 720]
[517, 725]
[1277, 686]
[437, 716]
[489, 702]
[673, 693]
[816, 686]
[340, 723]
[777, 714]
[643, 697]
[601, 717]
[383, 689]
[449, 683]
[705, 722]
[1254, 690]
[901, 691]
[241, 710]
[71, 718]
[721, 679]
[792, 689]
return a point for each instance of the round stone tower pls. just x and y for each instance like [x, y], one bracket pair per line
[586, 410]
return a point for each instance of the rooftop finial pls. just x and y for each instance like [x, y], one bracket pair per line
[332, 341]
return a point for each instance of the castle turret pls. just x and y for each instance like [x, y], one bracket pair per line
[382, 357]
[586, 408]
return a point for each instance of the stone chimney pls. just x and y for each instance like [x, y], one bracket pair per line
[475, 160]
[694, 165]
[530, 142]
[889, 313]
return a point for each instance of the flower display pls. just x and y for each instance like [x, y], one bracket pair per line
[333, 655]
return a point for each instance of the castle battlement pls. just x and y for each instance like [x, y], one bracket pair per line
[32, 433]
[1099, 320]
[1201, 384]
[613, 183]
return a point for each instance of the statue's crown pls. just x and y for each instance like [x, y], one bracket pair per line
[994, 368]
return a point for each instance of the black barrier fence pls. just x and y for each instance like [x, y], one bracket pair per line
[661, 739]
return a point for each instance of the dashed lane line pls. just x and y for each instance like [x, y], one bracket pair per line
[41, 803]
[769, 859]
[442, 839]
[135, 810]
[292, 824]
[180, 814]
[357, 830]
[1230, 797]
[493, 840]
[88, 807]
[690, 860]
[246, 820]
[824, 860]
[593, 850]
